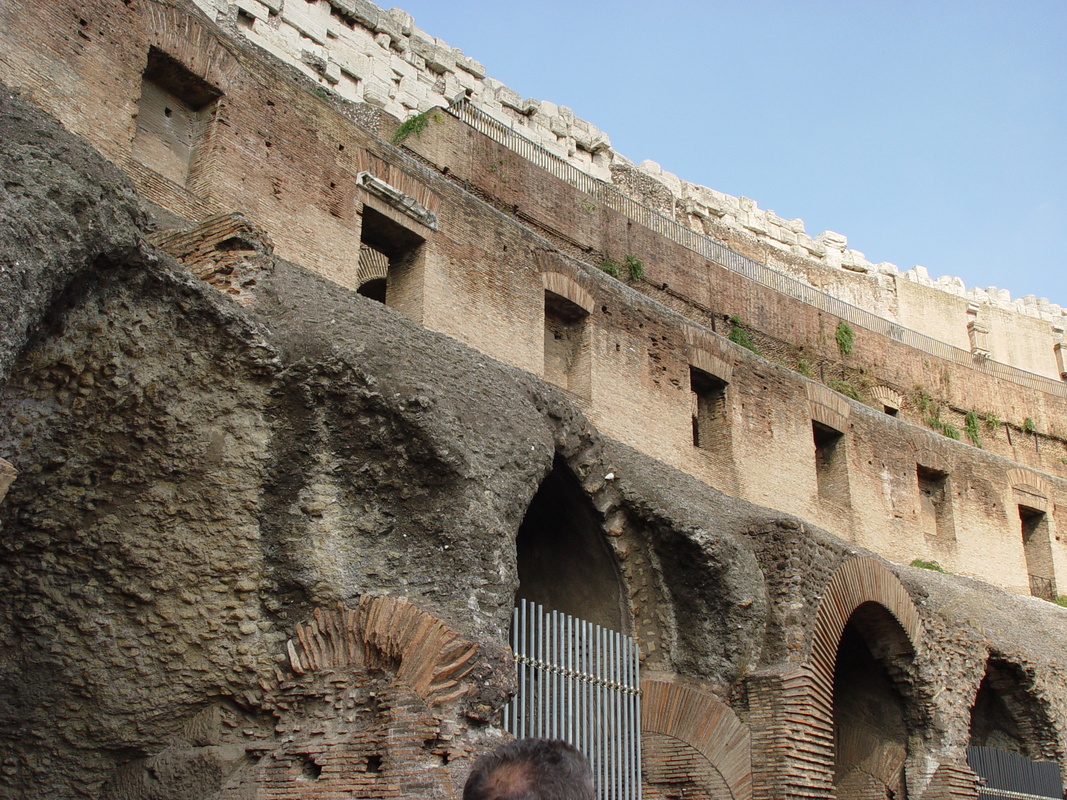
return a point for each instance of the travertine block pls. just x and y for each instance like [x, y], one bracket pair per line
[365, 13]
[254, 8]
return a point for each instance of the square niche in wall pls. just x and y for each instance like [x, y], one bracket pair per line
[174, 118]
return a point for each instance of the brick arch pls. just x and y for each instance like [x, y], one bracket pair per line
[857, 581]
[886, 396]
[568, 288]
[387, 633]
[182, 35]
[704, 724]
[1013, 683]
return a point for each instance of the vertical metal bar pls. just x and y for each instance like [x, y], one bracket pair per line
[631, 733]
[540, 729]
[549, 687]
[570, 679]
[584, 715]
[598, 709]
[564, 669]
[613, 722]
[553, 676]
[637, 715]
[509, 709]
[524, 672]
[623, 732]
[601, 744]
[616, 705]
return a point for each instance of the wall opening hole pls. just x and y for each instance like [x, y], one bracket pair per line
[709, 409]
[567, 348]
[1038, 550]
[831, 463]
[174, 118]
[310, 770]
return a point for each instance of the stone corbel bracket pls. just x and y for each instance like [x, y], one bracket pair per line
[8, 473]
[395, 198]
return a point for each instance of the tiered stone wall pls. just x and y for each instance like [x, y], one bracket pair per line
[292, 164]
[364, 54]
[227, 565]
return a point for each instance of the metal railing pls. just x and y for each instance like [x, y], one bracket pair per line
[579, 682]
[734, 261]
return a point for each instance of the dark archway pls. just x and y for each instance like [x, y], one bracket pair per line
[1007, 716]
[870, 713]
[564, 560]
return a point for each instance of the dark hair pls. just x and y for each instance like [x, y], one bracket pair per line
[531, 769]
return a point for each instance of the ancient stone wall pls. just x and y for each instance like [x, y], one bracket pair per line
[299, 169]
[364, 54]
[260, 533]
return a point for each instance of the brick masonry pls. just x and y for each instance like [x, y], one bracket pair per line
[380, 696]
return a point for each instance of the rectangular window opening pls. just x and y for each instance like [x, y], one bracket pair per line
[390, 263]
[1038, 550]
[935, 507]
[831, 463]
[710, 426]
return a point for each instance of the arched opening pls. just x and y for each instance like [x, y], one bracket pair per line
[564, 561]
[374, 289]
[390, 263]
[869, 711]
[1012, 743]
[577, 670]
[993, 723]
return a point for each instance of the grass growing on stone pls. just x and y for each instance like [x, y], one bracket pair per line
[635, 267]
[414, 125]
[739, 335]
[610, 267]
[845, 336]
[933, 566]
[845, 388]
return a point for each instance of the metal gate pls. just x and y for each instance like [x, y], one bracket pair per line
[579, 682]
[1009, 776]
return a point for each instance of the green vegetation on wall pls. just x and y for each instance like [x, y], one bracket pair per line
[845, 337]
[414, 125]
[610, 267]
[970, 427]
[933, 566]
[738, 335]
[845, 388]
[635, 267]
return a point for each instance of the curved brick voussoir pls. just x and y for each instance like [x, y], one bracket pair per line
[389, 633]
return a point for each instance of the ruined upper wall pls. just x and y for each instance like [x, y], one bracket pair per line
[368, 55]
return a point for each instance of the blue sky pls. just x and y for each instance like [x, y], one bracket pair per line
[930, 133]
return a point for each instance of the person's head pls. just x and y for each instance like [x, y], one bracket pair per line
[531, 769]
